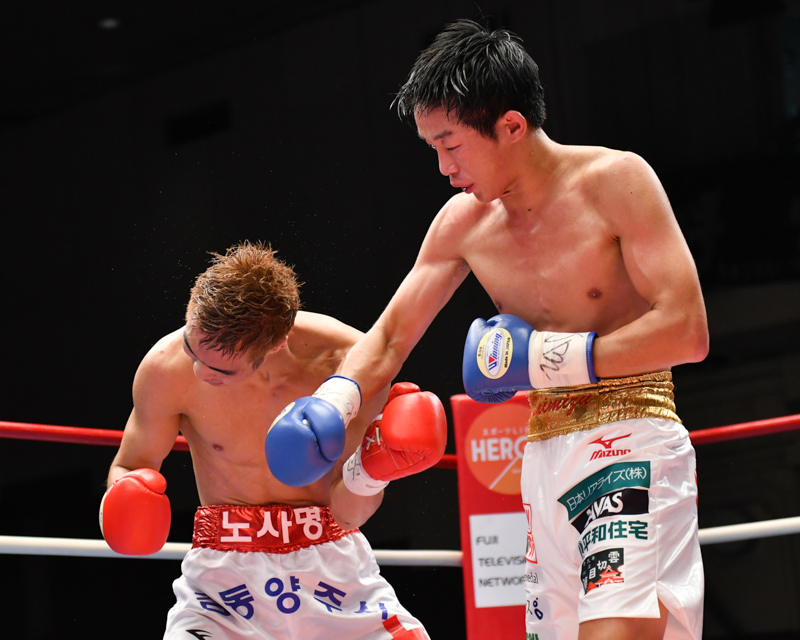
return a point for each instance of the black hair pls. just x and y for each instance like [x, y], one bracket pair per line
[476, 74]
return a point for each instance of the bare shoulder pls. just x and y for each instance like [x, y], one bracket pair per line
[164, 369]
[622, 184]
[458, 221]
[609, 169]
[600, 165]
[163, 354]
[313, 333]
[459, 213]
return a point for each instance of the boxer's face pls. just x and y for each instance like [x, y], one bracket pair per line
[473, 163]
[211, 365]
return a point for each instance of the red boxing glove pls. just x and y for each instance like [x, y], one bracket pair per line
[135, 514]
[408, 437]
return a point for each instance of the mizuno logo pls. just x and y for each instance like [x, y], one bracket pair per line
[199, 633]
[607, 451]
[607, 442]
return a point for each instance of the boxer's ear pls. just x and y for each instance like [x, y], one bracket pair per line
[511, 126]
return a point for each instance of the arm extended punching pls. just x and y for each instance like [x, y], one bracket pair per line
[377, 358]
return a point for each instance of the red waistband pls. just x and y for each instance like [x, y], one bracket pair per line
[275, 528]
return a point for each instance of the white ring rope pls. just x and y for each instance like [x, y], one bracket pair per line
[22, 545]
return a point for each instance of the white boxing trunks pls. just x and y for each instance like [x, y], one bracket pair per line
[609, 489]
[281, 572]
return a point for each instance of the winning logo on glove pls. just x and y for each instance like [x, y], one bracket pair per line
[494, 353]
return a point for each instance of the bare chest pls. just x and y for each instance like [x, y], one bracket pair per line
[229, 423]
[566, 273]
[226, 430]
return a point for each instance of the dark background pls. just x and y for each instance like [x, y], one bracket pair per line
[129, 153]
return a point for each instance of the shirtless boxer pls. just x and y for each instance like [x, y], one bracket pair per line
[581, 244]
[268, 560]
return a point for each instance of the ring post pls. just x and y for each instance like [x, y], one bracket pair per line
[490, 440]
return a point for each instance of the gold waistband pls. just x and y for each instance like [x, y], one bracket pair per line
[561, 410]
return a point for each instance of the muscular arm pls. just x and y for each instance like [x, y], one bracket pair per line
[153, 424]
[438, 271]
[662, 270]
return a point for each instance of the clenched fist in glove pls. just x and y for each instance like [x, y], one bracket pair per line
[307, 438]
[135, 513]
[505, 354]
[407, 438]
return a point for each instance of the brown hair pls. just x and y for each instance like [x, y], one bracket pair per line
[247, 300]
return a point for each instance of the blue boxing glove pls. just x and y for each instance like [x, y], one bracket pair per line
[496, 358]
[307, 438]
[505, 354]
